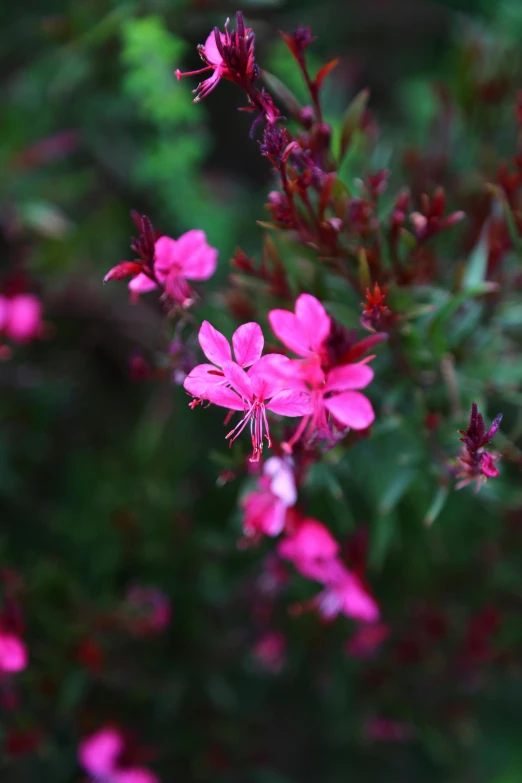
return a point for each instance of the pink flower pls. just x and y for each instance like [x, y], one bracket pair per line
[314, 553]
[269, 651]
[344, 594]
[305, 331]
[334, 399]
[100, 754]
[477, 464]
[335, 405]
[310, 548]
[231, 387]
[21, 317]
[13, 653]
[175, 262]
[265, 509]
[230, 55]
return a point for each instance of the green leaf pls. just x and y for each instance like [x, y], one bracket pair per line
[365, 278]
[440, 321]
[437, 504]
[396, 490]
[476, 269]
[352, 118]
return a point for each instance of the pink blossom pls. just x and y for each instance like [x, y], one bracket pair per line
[269, 651]
[265, 509]
[309, 548]
[314, 553]
[175, 262]
[99, 755]
[475, 463]
[335, 405]
[344, 594]
[230, 55]
[334, 396]
[305, 331]
[13, 653]
[21, 317]
[488, 464]
[231, 387]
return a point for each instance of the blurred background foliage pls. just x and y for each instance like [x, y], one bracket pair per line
[108, 480]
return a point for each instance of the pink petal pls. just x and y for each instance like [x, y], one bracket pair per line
[356, 602]
[190, 243]
[352, 409]
[141, 284]
[487, 465]
[177, 287]
[282, 483]
[224, 397]
[136, 775]
[310, 372]
[274, 518]
[165, 254]
[24, 318]
[13, 653]
[215, 345]
[311, 541]
[289, 330]
[206, 87]
[290, 403]
[212, 54]
[314, 320]
[238, 379]
[319, 570]
[273, 373]
[97, 754]
[201, 266]
[248, 342]
[197, 259]
[200, 378]
[350, 376]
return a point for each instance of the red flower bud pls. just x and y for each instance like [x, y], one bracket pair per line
[123, 270]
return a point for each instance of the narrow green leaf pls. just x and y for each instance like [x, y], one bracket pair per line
[440, 320]
[396, 490]
[475, 272]
[352, 118]
[365, 278]
[438, 503]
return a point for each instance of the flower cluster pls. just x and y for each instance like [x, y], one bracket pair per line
[477, 464]
[230, 55]
[166, 264]
[315, 554]
[376, 249]
[325, 399]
